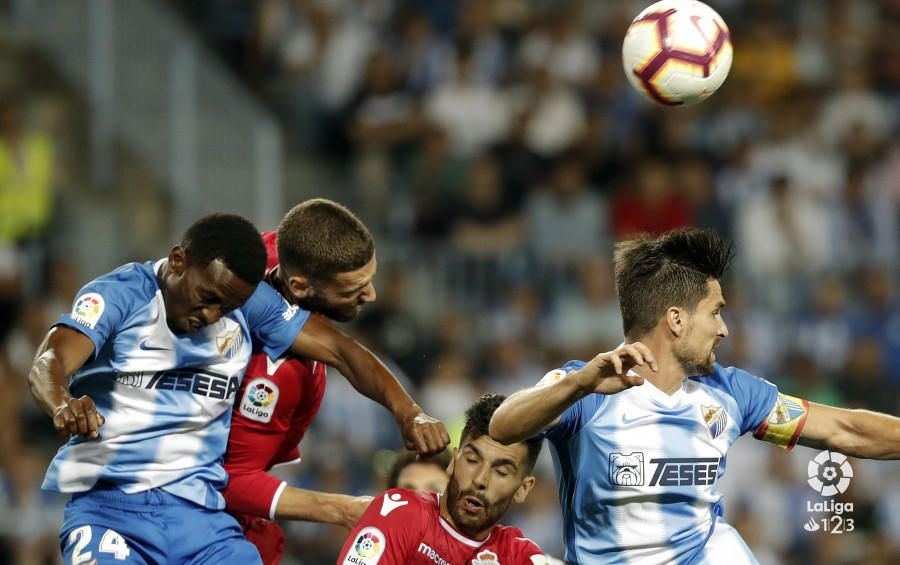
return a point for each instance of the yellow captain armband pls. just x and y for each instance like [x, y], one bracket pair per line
[785, 422]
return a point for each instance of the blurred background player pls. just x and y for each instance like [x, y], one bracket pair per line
[321, 258]
[411, 472]
[460, 524]
[639, 434]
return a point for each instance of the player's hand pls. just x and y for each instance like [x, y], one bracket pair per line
[423, 434]
[353, 510]
[78, 416]
[607, 373]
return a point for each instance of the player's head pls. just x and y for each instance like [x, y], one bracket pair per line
[671, 284]
[428, 475]
[326, 259]
[486, 476]
[214, 270]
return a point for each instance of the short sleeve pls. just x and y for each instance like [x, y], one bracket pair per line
[100, 309]
[578, 414]
[754, 395]
[274, 324]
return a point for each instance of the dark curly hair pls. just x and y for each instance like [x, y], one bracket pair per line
[655, 273]
[478, 419]
[231, 239]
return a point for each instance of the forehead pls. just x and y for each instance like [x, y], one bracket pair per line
[490, 450]
[218, 278]
[359, 277]
[713, 293]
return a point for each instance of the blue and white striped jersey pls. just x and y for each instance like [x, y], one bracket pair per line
[637, 471]
[166, 398]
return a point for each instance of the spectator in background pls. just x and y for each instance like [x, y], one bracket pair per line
[588, 319]
[566, 219]
[649, 205]
[473, 114]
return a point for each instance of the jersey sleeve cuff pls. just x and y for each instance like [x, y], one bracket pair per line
[275, 499]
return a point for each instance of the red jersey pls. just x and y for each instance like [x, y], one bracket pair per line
[277, 401]
[404, 526]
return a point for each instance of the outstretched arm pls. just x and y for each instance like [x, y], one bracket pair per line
[321, 341]
[857, 433]
[531, 411]
[63, 352]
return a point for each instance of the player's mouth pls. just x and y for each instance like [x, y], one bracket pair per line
[472, 504]
[194, 324]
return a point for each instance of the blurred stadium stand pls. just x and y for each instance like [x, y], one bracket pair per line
[497, 152]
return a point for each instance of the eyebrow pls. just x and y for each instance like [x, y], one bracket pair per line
[499, 462]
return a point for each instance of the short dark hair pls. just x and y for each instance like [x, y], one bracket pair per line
[320, 239]
[231, 239]
[478, 419]
[405, 458]
[655, 273]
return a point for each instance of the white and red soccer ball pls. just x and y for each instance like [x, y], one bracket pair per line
[677, 52]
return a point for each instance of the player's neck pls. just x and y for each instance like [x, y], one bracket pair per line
[445, 514]
[670, 375]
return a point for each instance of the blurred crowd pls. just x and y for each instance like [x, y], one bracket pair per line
[497, 152]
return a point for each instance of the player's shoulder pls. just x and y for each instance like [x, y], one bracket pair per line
[514, 541]
[727, 378]
[132, 282]
[559, 373]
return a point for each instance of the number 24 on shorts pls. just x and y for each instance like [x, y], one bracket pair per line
[111, 542]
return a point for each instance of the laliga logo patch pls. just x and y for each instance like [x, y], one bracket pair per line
[486, 557]
[367, 549]
[715, 417]
[553, 376]
[260, 399]
[626, 469]
[88, 309]
[829, 473]
[230, 343]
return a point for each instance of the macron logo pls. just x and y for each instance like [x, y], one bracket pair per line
[391, 502]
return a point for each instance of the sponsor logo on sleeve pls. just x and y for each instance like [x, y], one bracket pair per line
[290, 311]
[259, 401]
[391, 502]
[367, 548]
[88, 309]
[553, 376]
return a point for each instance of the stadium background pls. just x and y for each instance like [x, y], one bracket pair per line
[496, 151]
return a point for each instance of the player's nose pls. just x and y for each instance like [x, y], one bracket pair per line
[723, 331]
[368, 294]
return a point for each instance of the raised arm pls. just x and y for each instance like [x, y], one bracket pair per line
[533, 410]
[857, 433]
[63, 352]
[321, 341]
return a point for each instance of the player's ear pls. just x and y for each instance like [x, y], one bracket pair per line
[177, 260]
[523, 490]
[300, 286]
[675, 321]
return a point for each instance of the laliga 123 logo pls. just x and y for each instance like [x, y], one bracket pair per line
[829, 473]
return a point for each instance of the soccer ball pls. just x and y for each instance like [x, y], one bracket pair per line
[677, 52]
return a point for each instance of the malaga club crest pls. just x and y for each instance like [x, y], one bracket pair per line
[230, 343]
[715, 417]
